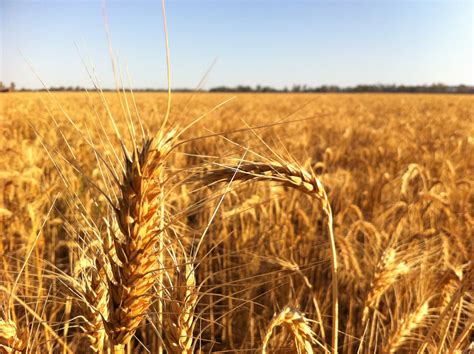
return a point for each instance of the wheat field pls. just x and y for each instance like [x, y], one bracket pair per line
[271, 223]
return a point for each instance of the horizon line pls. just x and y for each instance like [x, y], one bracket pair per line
[295, 88]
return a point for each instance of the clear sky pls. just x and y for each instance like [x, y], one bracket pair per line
[275, 43]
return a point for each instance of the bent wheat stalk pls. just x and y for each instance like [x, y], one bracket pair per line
[302, 180]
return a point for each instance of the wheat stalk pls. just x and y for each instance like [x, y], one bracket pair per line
[136, 248]
[297, 324]
[302, 180]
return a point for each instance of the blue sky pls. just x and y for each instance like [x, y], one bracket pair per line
[275, 43]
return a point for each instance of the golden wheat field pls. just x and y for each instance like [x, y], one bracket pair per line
[271, 223]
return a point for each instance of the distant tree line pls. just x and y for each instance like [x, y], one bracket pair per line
[433, 88]
[79, 88]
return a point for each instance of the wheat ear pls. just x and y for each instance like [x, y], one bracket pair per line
[388, 270]
[137, 245]
[405, 328]
[10, 340]
[297, 324]
[180, 320]
[95, 311]
[92, 290]
[303, 181]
